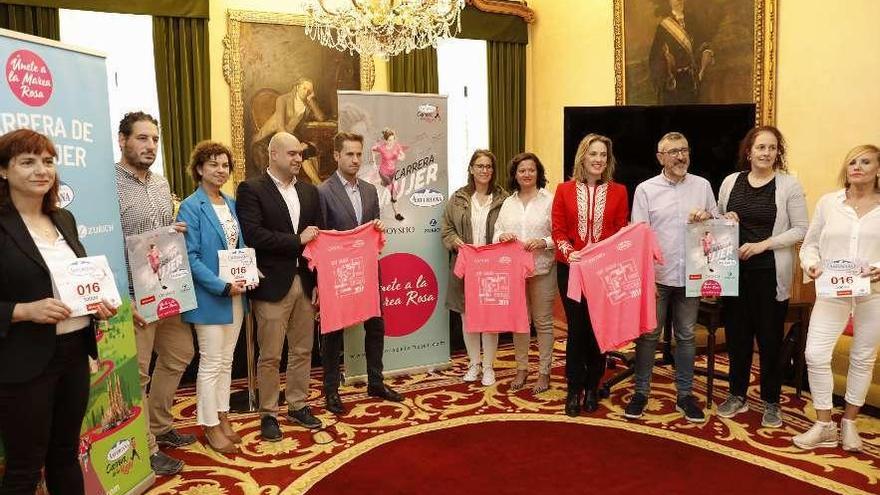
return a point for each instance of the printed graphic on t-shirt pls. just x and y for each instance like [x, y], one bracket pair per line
[494, 288]
[350, 276]
[621, 281]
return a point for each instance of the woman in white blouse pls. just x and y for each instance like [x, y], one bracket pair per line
[525, 216]
[212, 225]
[846, 226]
[469, 218]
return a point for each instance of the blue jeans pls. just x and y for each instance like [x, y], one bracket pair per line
[684, 315]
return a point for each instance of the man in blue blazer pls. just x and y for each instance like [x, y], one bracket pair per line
[348, 202]
[279, 215]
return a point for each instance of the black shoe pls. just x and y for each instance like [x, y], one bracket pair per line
[591, 400]
[398, 217]
[636, 406]
[174, 439]
[384, 392]
[164, 465]
[691, 409]
[334, 403]
[269, 429]
[573, 404]
[304, 417]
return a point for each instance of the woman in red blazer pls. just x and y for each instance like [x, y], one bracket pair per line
[586, 209]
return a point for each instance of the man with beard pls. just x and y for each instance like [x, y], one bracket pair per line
[145, 203]
[668, 202]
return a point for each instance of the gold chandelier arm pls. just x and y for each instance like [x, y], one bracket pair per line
[325, 9]
[357, 5]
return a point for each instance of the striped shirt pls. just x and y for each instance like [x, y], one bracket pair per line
[143, 206]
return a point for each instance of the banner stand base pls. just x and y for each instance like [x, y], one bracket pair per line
[242, 402]
[144, 485]
[428, 368]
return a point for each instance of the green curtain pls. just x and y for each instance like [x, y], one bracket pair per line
[38, 21]
[479, 25]
[171, 8]
[414, 72]
[507, 102]
[183, 81]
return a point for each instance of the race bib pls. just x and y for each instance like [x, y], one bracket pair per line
[842, 278]
[82, 284]
[239, 265]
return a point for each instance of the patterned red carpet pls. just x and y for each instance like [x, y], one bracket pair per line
[448, 435]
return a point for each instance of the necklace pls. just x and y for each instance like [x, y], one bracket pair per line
[43, 231]
[858, 203]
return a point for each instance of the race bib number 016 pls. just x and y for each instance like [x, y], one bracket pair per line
[239, 265]
[842, 278]
[84, 282]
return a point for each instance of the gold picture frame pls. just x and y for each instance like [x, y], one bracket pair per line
[239, 26]
[637, 31]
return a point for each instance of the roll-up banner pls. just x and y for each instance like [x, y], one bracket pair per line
[405, 158]
[61, 92]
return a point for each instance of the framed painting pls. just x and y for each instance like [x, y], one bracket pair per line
[281, 80]
[674, 52]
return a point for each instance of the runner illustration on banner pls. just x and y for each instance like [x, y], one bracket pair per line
[390, 152]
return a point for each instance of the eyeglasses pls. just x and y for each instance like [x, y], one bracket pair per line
[677, 152]
[483, 167]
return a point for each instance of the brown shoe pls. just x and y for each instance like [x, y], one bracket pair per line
[520, 380]
[226, 428]
[218, 441]
[543, 383]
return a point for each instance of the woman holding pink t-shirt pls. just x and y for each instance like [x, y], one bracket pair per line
[586, 209]
[525, 216]
[469, 218]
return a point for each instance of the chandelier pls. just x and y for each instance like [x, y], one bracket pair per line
[382, 27]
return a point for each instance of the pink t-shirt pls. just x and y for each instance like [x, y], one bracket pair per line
[616, 276]
[495, 286]
[348, 275]
[388, 157]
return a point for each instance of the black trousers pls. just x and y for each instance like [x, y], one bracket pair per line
[755, 314]
[374, 345]
[584, 362]
[40, 422]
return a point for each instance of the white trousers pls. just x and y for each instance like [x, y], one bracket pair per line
[827, 323]
[214, 379]
[472, 344]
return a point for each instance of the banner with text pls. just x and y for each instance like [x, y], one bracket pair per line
[405, 158]
[62, 93]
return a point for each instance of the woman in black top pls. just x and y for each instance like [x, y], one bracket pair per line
[44, 370]
[769, 205]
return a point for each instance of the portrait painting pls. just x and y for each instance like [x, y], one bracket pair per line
[680, 52]
[282, 80]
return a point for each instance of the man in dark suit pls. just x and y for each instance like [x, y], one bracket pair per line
[279, 215]
[348, 202]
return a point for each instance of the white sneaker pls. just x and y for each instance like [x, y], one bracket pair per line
[472, 374]
[488, 377]
[819, 435]
[849, 436]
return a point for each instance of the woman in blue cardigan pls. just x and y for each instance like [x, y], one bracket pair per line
[212, 226]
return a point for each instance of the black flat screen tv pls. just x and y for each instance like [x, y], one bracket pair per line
[713, 133]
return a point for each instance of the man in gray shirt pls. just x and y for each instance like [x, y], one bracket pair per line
[668, 202]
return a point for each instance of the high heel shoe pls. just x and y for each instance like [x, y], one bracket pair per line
[226, 428]
[218, 441]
